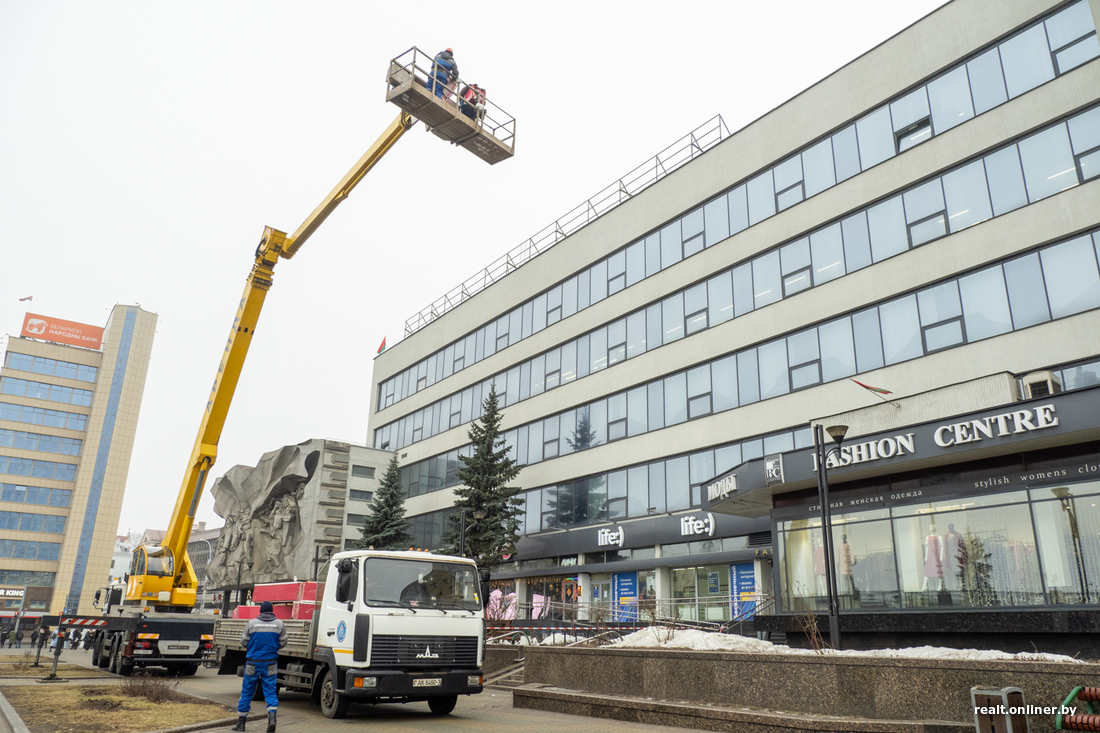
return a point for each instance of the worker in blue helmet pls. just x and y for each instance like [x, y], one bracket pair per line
[444, 73]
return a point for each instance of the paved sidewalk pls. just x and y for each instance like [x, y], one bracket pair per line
[489, 712]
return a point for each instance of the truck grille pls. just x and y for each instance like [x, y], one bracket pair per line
[421, 651]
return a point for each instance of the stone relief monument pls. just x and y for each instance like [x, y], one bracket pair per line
[267, 510]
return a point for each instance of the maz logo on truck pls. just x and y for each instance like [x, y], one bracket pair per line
[427, 654]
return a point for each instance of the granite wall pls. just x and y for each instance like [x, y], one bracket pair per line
[879, 689]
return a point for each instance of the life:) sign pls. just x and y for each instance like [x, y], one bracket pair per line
[690, 526]
[611, 537]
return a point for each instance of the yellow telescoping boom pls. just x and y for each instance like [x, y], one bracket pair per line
[163, 576]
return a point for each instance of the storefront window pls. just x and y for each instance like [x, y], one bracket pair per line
[683, 593]
[1010, 549]
[976, 557]
[866, 572]
[1068, 530]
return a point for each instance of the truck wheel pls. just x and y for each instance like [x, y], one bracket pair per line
[95, 654]
[104, 651]
[125, 666]
[442, 705]
[112, 663]
[187, 670]
[333, 704]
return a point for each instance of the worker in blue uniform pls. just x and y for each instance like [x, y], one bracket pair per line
[263, 637]
[444, 71]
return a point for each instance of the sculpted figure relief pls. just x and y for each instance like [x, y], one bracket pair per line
[262, 507]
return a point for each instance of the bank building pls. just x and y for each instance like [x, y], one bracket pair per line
[908, 248]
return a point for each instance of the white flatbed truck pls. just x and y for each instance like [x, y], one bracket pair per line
[386, 627]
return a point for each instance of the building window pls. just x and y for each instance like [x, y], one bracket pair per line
[42, 391]
[363, 471]
[356, 520]
[361, 495]
[42, 416]
[51, 367]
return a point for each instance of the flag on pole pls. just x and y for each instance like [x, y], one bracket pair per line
[382, 346]
[29, 297]
[876, 390]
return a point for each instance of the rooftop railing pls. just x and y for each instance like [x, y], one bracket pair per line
[682, 151]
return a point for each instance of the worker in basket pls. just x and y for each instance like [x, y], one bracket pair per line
[473, 102]
[444, 74]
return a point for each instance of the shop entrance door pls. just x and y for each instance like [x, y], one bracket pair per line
[601, 600]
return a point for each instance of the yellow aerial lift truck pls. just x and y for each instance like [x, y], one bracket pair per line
[154, 624]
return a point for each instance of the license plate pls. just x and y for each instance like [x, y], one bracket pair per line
[143, 651]
[180, 648]
[428, 683]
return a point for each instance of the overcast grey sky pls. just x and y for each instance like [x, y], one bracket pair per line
[144, 146]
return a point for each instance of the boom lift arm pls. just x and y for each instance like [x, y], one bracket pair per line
[164, 576]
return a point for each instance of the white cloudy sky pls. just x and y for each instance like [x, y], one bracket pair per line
[144, 146]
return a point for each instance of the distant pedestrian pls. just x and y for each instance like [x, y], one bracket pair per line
[19, 638]
[34, 638]
[444, 73]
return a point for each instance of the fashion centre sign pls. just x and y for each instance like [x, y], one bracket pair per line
[969, 431]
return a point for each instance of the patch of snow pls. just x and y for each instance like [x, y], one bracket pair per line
[697, 640]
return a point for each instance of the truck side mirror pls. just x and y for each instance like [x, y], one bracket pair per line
[484, 574]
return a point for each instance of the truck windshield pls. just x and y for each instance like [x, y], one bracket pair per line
[421, 583]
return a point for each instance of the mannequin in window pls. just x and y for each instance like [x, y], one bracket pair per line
[954, 558]
[933, 561]
[847, 582]
[819, 569]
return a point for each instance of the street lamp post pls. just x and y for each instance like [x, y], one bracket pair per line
[479, 514]
[837, 433]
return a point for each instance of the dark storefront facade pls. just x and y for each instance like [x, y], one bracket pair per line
[981, 529]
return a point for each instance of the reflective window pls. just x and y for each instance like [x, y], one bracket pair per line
[949, 99]
[967, 196]
[876, 142]
[985, 304]
[1048, 163]
[1073, 284]
[1026, 61]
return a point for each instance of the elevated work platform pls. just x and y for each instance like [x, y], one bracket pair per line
[476, 124]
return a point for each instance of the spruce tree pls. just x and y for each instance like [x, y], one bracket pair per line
[484, 478]
[386, 527]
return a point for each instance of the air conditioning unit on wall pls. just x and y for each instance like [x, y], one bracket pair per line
[1040, 384]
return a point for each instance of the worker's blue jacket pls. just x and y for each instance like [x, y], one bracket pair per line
[263, 637]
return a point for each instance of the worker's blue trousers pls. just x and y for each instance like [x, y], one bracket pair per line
[264, 673]
[437, 83]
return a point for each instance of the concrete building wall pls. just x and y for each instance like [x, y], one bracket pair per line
[914, 57]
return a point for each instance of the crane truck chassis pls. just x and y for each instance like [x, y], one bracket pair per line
[387, 627]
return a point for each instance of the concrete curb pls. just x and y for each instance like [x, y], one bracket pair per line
[15, 723]
[203, 726]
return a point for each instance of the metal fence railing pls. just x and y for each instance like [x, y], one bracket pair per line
[685, 149]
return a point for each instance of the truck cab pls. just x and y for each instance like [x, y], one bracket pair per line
[385, 627]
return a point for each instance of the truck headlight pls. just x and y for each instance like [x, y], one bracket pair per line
[473, 681]
[365, 682]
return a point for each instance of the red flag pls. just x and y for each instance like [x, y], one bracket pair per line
[382, 346]
[870, 388]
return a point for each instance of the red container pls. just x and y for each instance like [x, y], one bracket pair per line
[246, 612]
[307, 592]
[303, 610]
[275, 592]
[283, 610]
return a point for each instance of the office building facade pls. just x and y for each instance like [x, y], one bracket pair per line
[70, 395]
[921, 220]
